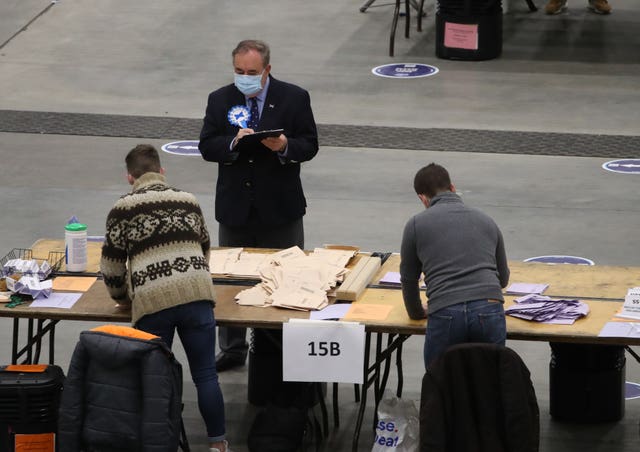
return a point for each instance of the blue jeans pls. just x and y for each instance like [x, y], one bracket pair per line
[196, 327]
[471, 321]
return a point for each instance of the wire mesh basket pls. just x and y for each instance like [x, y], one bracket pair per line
[55, 259]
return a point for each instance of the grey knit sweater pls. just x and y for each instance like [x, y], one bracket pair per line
[459, 249]
[156, 250]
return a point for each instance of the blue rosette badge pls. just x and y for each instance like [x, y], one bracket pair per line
[239, 116]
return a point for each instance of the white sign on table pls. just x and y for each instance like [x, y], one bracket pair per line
[631, 307]
[318, 350]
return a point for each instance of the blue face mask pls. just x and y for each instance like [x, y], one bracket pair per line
[248, 84]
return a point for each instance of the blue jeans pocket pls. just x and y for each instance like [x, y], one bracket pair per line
[438, 336]
[492, 327]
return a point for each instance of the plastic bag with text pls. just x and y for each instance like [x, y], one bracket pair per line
[398, 427]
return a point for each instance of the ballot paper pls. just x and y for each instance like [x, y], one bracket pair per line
[526, 288]
[392, 279]
[30, 285]
[29, 267]
[543, 309]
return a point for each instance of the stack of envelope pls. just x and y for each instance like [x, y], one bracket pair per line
[237, 263]
[295, 280]
[540, 308]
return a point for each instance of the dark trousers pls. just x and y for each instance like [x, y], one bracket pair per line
[233, 340]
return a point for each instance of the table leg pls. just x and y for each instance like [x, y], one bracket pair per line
[366, 6]
[363, 397]
[394, 344]
[14, 341]
[33, 341]
[394, 25]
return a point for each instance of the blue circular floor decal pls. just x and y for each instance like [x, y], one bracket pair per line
[405, 70]
[631, 390]
[626, 166]
[182, 148]
[561, 260]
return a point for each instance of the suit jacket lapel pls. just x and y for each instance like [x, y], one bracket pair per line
[270, 118]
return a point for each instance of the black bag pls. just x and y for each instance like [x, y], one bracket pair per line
[278, 429]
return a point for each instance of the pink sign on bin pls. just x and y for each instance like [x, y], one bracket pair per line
[461, 36]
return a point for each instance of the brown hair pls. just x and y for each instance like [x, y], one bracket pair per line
[431, 180]
[142, 159]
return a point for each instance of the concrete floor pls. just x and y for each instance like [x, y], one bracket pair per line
[572, 73]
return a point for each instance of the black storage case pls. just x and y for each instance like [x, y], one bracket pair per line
[29, 403]
[587, 382]
[265, 384]
[485, 15]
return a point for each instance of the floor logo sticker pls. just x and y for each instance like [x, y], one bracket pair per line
[554, 259]
[625, 166]
[405, 70]
[182, 148]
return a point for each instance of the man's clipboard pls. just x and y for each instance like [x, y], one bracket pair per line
[256, 137]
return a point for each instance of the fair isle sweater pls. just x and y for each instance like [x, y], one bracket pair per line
[156, 249]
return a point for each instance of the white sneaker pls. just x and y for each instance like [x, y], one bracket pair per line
[226, 448]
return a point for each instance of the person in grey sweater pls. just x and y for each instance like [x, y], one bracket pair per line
[461, 253]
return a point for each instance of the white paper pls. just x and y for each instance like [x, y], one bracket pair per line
[323, 351]
[331, 312]
[526, 288]
[63, 300]
[620, 329]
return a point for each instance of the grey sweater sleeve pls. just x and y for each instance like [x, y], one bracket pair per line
[410, 270]
[501, 262]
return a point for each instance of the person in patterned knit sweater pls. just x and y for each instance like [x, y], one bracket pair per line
[155, 260]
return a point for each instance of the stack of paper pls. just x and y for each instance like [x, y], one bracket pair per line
[28, 267]
[526, 288]
[539, 308]
[30, 285]
[238, 263]
[295, 280]
[393, 279]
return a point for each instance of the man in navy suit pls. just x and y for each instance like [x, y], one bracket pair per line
[259, 197]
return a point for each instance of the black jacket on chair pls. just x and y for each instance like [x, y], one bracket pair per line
[478, 397]
[121, 394]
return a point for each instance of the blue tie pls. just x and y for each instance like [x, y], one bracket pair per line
[254, 113]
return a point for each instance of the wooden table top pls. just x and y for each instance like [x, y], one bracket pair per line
[575, 281]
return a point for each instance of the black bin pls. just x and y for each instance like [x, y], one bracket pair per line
[469, 29]
[587, 382]
[29, 402]
[265, 385]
